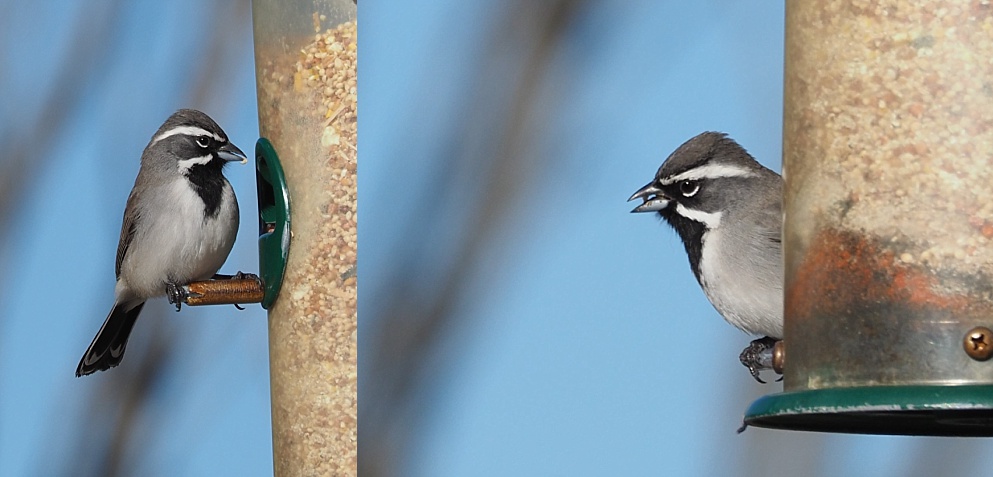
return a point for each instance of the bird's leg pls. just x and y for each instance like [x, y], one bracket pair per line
[176, 295]
[758, 356]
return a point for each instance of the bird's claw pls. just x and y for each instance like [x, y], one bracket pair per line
[176, 295]
[758, 356]
[237, 276]
[243, 276]
[246, 276]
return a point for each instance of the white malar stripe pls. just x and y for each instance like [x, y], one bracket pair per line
[186, 164]
[709, 171]
[709, 219]
[188, 131]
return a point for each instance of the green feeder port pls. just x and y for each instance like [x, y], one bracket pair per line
[888, 161]
[274, 219]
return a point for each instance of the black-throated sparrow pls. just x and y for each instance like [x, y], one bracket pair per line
[727, 209]
[180, 222]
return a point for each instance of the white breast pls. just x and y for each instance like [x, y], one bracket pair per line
[173, 242]
[745, 287]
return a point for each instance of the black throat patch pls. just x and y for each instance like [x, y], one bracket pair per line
[208, 182]
[691, 233]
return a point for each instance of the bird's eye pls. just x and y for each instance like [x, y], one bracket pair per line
[689, 188]
[203, 141]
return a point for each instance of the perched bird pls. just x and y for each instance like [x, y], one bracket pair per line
[727, 209]
[179, 225]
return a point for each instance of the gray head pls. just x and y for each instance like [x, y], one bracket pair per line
[193, 142]
[190, 144]
[708, 179]
[696, 178]
[708, 155]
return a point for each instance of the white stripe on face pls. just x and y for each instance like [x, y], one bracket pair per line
[188, 131]
[709, 171]
[709, 219]
[186, 164]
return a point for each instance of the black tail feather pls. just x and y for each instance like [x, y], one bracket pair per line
[107, 348]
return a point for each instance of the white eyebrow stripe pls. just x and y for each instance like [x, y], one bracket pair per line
[709, 171]
[188, 131]
[186, 164]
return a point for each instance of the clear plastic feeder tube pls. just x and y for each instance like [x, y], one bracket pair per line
[305, 55]
[888, 155]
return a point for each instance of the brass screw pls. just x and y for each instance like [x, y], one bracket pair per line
[978, 343]
[779, 356]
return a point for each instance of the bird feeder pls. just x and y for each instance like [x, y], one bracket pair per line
[888, 233]
[305, 57]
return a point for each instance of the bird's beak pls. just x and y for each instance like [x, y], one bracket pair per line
[230, 152]
[653, 196]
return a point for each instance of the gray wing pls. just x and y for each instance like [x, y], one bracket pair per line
[131, 218]
[771, 220]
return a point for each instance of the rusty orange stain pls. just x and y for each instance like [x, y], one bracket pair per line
[842, 270]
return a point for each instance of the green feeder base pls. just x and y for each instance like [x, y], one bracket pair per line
[954, 410]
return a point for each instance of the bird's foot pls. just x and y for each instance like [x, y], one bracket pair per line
[247, 276]
[237, 276]
[758, 356]
[176, 295]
